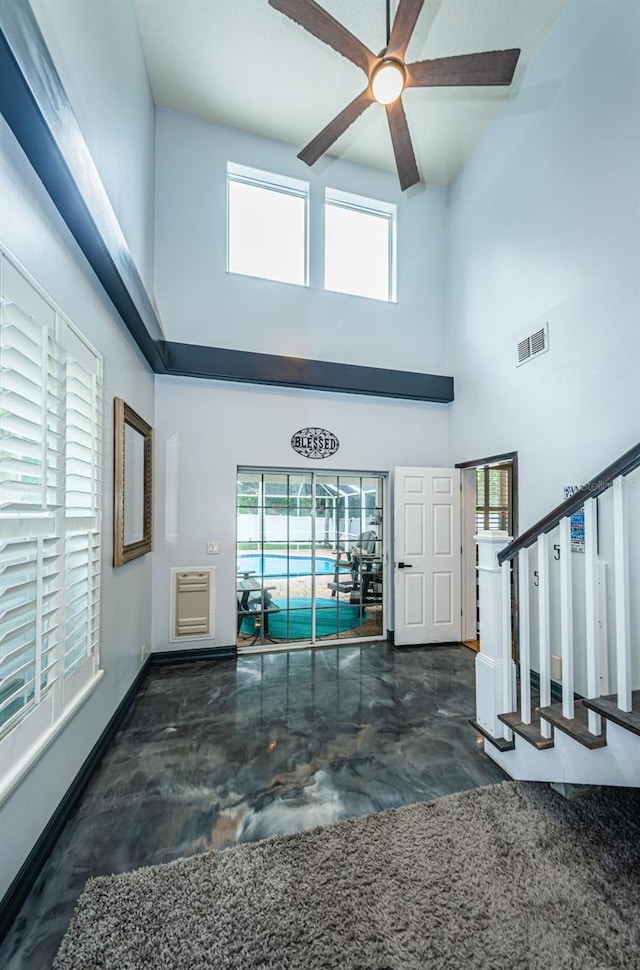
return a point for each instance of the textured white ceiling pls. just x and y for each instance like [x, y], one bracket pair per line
[241, 63]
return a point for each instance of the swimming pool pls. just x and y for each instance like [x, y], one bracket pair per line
[275, 566]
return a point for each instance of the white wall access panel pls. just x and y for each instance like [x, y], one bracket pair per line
[192, 604]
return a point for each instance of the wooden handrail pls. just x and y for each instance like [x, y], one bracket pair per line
[622, 466]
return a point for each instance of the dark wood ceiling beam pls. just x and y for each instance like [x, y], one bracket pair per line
[219, 363]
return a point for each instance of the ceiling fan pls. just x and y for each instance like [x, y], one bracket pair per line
[388, 75]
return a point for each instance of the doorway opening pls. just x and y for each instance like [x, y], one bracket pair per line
[309, 558]
[489, 503]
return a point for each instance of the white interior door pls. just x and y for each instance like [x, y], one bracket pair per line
[427, 560]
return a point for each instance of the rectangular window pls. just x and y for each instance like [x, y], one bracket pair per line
[50, 496]
[359, 246]
[493, 498]
[267, 225]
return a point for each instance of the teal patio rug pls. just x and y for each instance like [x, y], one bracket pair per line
[292, 621]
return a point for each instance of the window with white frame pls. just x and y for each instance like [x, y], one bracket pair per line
[359, 246]
[267, 225]
[50, 495]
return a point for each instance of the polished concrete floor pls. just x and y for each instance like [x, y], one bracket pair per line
[215, 754]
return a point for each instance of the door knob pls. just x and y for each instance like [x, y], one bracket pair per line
[405, 565]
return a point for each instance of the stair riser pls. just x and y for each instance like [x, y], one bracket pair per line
[568, 761]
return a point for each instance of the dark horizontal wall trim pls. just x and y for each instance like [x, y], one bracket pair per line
[191, 360]
[169, 658]
[25, 879]
[36, 108]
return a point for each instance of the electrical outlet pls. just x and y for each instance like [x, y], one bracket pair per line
[556, 667]
[143, 652]
[213, 548]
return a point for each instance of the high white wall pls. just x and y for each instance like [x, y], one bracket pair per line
[544, 225]
[97, 51]
[205, 429]
[34, 233]
[203, 304]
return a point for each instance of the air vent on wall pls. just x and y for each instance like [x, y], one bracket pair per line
[533, 345]
[192, 604]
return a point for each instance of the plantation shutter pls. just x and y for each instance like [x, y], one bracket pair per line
[82, 599]
[31, 489]
[493, 498]
[82, 499]
[480, 500]
[31, 415]
[50, 493]
[29, 609]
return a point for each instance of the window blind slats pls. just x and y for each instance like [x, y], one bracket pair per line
[19, 384]
[16, 426]
[18, 598]
[14, 684]
[82, 442]
[21, 471]
[493, 497]
[81, 598]
[20, 694]
[50, 450]
[19, 449]
[30, 414]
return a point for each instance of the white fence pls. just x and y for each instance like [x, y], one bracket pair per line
[298, 529]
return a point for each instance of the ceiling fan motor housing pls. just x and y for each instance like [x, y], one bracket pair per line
[388, 79]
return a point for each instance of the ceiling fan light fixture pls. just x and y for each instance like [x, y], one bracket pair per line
[388, 80]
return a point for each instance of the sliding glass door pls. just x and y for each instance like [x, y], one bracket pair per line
[310, 555]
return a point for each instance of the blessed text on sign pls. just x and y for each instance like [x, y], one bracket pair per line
[315, 443]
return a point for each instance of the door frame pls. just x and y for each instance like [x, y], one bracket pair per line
[468, 531]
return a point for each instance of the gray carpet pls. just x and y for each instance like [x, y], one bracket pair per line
[504, 878]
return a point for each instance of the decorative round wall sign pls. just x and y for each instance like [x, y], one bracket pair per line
[315, 443]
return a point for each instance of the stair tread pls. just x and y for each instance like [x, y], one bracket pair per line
[500, 743]
[530, 732]
[607, 706]
[576, 727]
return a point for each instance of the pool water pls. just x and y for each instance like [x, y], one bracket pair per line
[273, 566]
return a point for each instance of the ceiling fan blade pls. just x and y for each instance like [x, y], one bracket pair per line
[489, 67]
[402, 147]
[403, 25]
[322, 25]
[325, 139]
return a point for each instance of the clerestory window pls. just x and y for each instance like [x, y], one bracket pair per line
[267, 225]
[359, 246]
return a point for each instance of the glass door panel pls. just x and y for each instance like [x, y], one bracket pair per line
[309, 557]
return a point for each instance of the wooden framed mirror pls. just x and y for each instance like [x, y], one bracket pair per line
[132, 484]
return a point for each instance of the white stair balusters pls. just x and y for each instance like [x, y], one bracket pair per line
[566, 617]
[524, 627]
[591, 598]
[574, 624]
[544, 626]
[621, 596]
[507, 646]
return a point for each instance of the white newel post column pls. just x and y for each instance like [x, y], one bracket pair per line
[495, 669]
